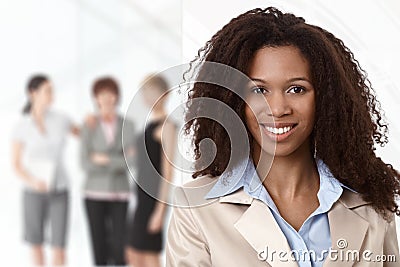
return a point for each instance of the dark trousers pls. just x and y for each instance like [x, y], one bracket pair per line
[107, 229]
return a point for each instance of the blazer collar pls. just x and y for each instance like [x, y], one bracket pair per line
[345, 237]
[350, 199]
[118, 130]
[252, 226]
[259, 228]
[238, 197]
[341, 233]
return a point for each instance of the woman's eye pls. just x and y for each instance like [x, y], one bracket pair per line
[296, 90]
[259, 90]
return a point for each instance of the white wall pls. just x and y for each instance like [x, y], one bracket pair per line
[74, 41]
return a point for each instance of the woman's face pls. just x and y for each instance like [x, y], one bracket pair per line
[106, 100]
[43, 96]
[281, 77]
[152, 95]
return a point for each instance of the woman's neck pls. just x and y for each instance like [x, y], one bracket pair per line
[38, 112]
[108, 115]
[157, 113]
[289, 176]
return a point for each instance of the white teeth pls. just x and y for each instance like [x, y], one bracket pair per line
[281, 130]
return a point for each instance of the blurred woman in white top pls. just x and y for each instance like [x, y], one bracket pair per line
[38, 145]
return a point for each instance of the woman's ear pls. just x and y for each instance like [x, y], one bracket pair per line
[119, 97]
[96, 102]
[31, 95]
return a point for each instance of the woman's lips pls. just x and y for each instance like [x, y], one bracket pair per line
[278, 131]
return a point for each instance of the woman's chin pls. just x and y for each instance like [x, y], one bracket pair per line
[277, 151]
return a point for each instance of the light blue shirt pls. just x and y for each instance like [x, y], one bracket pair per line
[314, 234]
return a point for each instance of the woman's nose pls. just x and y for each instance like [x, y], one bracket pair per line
[278, 105]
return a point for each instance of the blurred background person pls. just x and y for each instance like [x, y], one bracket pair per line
[37, 154]
[145, 240]
[106, 186]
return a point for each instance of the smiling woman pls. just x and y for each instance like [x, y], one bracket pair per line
[312, 123]
[282, 77]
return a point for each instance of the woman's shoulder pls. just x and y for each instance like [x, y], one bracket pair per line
[125, 120]
[193, 192]
[200, 181]
[363, 208]
[58, 116]
[56, 113]
[353, 199]
[23, 119]
[22, 126]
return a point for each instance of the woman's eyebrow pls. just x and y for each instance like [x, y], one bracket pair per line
[257, 80]
[300, 78]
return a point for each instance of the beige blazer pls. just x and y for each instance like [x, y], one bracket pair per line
[233, 230]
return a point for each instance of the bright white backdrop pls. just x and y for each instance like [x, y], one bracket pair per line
[75, 41]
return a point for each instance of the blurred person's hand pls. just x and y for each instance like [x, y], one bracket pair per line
[90, 121]
[156, 221]
[129, 255]
[100, 159]
[130, 152]
[39, 185]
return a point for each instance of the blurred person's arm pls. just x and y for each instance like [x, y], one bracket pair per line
[33, 182]
[88, 162]
[121, 160]
[169, 144]
[90, 121]
[75, 130]
[113, 161]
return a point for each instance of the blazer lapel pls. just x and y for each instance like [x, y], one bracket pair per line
[99, 133]
[259, 228]
[117, 134]
[118, 131]
[348, 230]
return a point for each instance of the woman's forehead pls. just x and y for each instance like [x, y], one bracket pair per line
[284, 62]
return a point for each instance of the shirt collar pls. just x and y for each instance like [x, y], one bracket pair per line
[244, 175]
[230, 181]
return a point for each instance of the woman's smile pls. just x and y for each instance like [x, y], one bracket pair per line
[278, 131]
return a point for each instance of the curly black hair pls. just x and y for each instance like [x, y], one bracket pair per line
[349, 120]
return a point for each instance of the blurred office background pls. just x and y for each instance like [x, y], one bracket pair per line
[75, 41]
